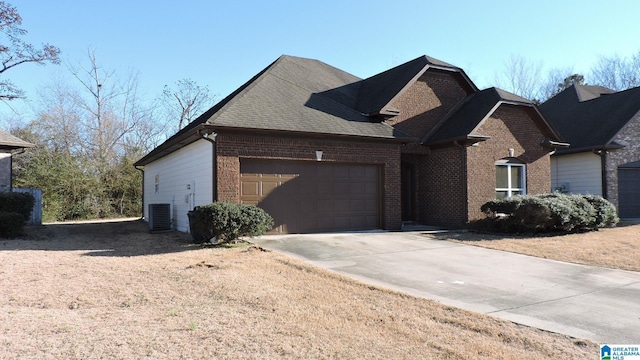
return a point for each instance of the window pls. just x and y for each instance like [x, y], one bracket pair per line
[510, 178]
[157, 183]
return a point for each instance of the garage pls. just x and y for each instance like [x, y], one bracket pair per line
[309, 196]
[629, 190]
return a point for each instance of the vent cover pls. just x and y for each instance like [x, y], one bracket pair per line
[160, 217]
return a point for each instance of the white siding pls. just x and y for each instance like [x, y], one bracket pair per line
[185, 181]
[581, 172]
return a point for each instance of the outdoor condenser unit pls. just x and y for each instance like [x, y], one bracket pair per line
[160, 217]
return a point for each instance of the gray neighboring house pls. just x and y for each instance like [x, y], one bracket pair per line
[603, 128]
[9, 145]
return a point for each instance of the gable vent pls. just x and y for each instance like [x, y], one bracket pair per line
[160, 217]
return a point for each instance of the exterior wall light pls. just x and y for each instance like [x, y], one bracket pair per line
[319, 155]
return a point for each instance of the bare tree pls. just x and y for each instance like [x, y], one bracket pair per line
[186, 101]
[15, 51]
[521, 77]
[617, 73]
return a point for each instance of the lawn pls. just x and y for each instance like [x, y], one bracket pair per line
[616, 248]
[114, 291]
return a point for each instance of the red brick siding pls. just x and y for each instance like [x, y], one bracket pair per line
[233, 146]
[509, 127]
[441, 187]
[426, 102]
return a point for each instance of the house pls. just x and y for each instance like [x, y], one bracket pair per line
[323, 150]
[9, 144]
[603, 128]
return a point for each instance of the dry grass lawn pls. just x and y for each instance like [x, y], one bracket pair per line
[617, 248]
[114, 291]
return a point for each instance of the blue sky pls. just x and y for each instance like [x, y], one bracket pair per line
[223, 44]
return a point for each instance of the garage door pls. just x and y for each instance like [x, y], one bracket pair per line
[306, 196]
[629, 191]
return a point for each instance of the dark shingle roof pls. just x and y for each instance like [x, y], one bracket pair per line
[464, 120]
[293, 95]
[290, 96]
[9, 142]
[379, 90]
[589, 117]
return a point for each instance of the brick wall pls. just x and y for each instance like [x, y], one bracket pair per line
[510, 127]
[441, 187]
[425, 103]
[628, 137]
[231, 147]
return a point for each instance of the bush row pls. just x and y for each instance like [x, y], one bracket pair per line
[21, 203]
[226, 221]
[549, 213]
[15, 209]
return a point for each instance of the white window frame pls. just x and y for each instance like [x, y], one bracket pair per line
[157, 183]
[509, 164]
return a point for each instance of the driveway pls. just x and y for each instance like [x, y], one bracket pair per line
[598, 304]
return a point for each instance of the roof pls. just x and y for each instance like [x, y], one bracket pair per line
[465, 120]
[380, 90]
[589, 117]
[294, 95]
[10, 142]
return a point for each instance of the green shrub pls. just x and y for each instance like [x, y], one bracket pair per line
[226, 221]
[21, 203]
[11, 224]
[606, 213]
[548, 213]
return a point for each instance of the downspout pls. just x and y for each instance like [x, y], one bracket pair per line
[603, 166]
[211, 137]
[142, 208]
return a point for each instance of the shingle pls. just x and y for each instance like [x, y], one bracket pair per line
[9, 141]
[590, 116]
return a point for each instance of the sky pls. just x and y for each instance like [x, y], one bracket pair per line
[222, 44]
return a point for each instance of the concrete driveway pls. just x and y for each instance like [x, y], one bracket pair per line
[598, 304]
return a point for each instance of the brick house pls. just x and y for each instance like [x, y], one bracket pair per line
[323, 150]
[8, 145]
[603, 127]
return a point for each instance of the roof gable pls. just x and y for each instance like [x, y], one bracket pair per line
[379, 91]
[464, 121]
[590, 117]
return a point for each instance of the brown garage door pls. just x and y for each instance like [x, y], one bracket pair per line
[308, 196]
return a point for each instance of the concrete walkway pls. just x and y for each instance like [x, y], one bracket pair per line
[588, 302]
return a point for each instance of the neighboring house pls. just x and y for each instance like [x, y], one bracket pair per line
[323, 150]
[9, 144]
[603, 128]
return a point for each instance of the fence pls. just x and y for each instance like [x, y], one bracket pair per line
[36, 214]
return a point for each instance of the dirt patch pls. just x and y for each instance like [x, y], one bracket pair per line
[112, 290]
[616, 248]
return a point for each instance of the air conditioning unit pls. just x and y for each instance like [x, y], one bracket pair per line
[160, 217]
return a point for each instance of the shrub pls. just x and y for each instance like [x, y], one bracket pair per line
[21, 203]
[226, 221]
[11, 224]
[606, 213]
[548, 212]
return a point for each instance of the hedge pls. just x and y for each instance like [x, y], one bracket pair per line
[549, 213]
[11, 224]
[21, 203]
[226, 222]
